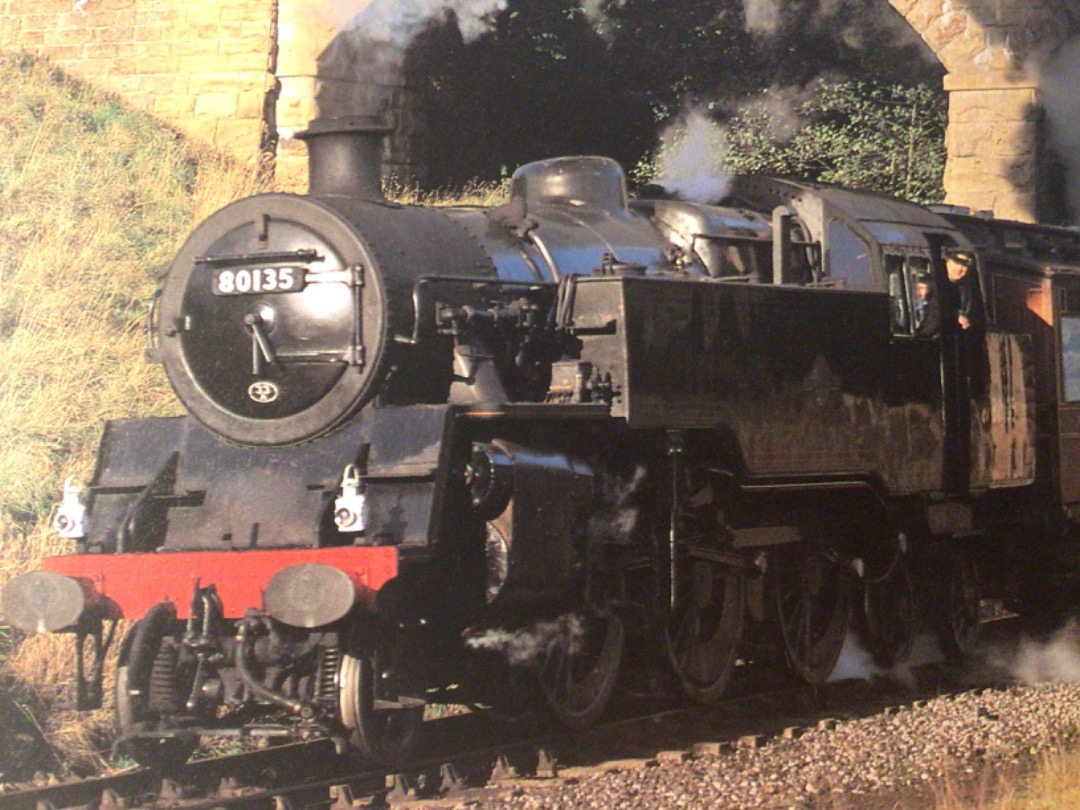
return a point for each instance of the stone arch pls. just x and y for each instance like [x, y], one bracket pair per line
[989, 48]
[992, 50]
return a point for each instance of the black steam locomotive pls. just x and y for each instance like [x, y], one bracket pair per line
[476, 455]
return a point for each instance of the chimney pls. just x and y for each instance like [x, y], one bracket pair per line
[345, 156]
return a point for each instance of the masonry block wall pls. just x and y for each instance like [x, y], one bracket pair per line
[204, 66]
[993, 141]
[992, 53]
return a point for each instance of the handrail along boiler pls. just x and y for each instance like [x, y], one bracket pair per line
[642, 435]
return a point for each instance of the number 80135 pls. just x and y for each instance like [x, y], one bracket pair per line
[248, 280]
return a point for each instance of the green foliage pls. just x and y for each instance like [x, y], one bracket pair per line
[537, 84]
[887, 138]
[670, 52]
[550, 78]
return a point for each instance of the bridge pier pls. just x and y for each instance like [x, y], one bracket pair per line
[993, 143]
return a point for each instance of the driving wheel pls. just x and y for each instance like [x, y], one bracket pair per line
[704, 633]
[888, 620]
[382, 712]
[957, 618]
[579, 665]
[813, 601]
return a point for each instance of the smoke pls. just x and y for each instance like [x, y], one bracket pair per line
[396, 22]
[594, 10]
[1028, 660]
[1057, 659]
[858, 24]
[615, 518]
[856, 662]
[862, 25]
[762, 16]
[778, 108]
[361, 58]
[690, 160]
[1058, 79]
[529, 645]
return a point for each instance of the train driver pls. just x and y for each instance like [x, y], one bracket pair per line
[927, 314]
[958, 265]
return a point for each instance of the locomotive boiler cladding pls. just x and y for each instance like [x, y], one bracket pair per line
[520, 456]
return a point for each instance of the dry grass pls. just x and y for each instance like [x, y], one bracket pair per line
[1056, 786]
[475, 193]
[1052, 782]
[94, 200]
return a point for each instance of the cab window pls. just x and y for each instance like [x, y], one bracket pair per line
[911, 296]
[1069, 325]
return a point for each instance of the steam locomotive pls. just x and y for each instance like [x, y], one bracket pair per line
[477, 455]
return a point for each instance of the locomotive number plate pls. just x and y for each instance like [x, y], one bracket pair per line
[258, 280]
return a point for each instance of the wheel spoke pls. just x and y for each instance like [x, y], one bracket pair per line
[565, 686]
[959, 623]
[704, 636]
[806, 627]
[888, 623]
[554, 670]
[577, 680]
[686, 636]
[812, 607]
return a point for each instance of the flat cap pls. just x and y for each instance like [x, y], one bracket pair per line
[960, 255]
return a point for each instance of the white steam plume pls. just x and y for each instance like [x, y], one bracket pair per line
[1057, 659]
[527, 646]
[1033, 661]
[1059, 77]
[762, 16]
[594, 10]
[857, 663]
[852, 21]
[778, 107]
[690, 161]
[616, 518]
[1029, 661]
[397, 21]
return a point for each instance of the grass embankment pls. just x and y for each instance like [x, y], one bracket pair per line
[94, 200]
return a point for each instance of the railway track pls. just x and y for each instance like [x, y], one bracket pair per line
[501, 756]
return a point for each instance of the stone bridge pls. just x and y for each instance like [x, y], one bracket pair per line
[246, 74]
[998, 54]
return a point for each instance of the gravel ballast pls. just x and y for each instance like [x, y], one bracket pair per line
[910, 746]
